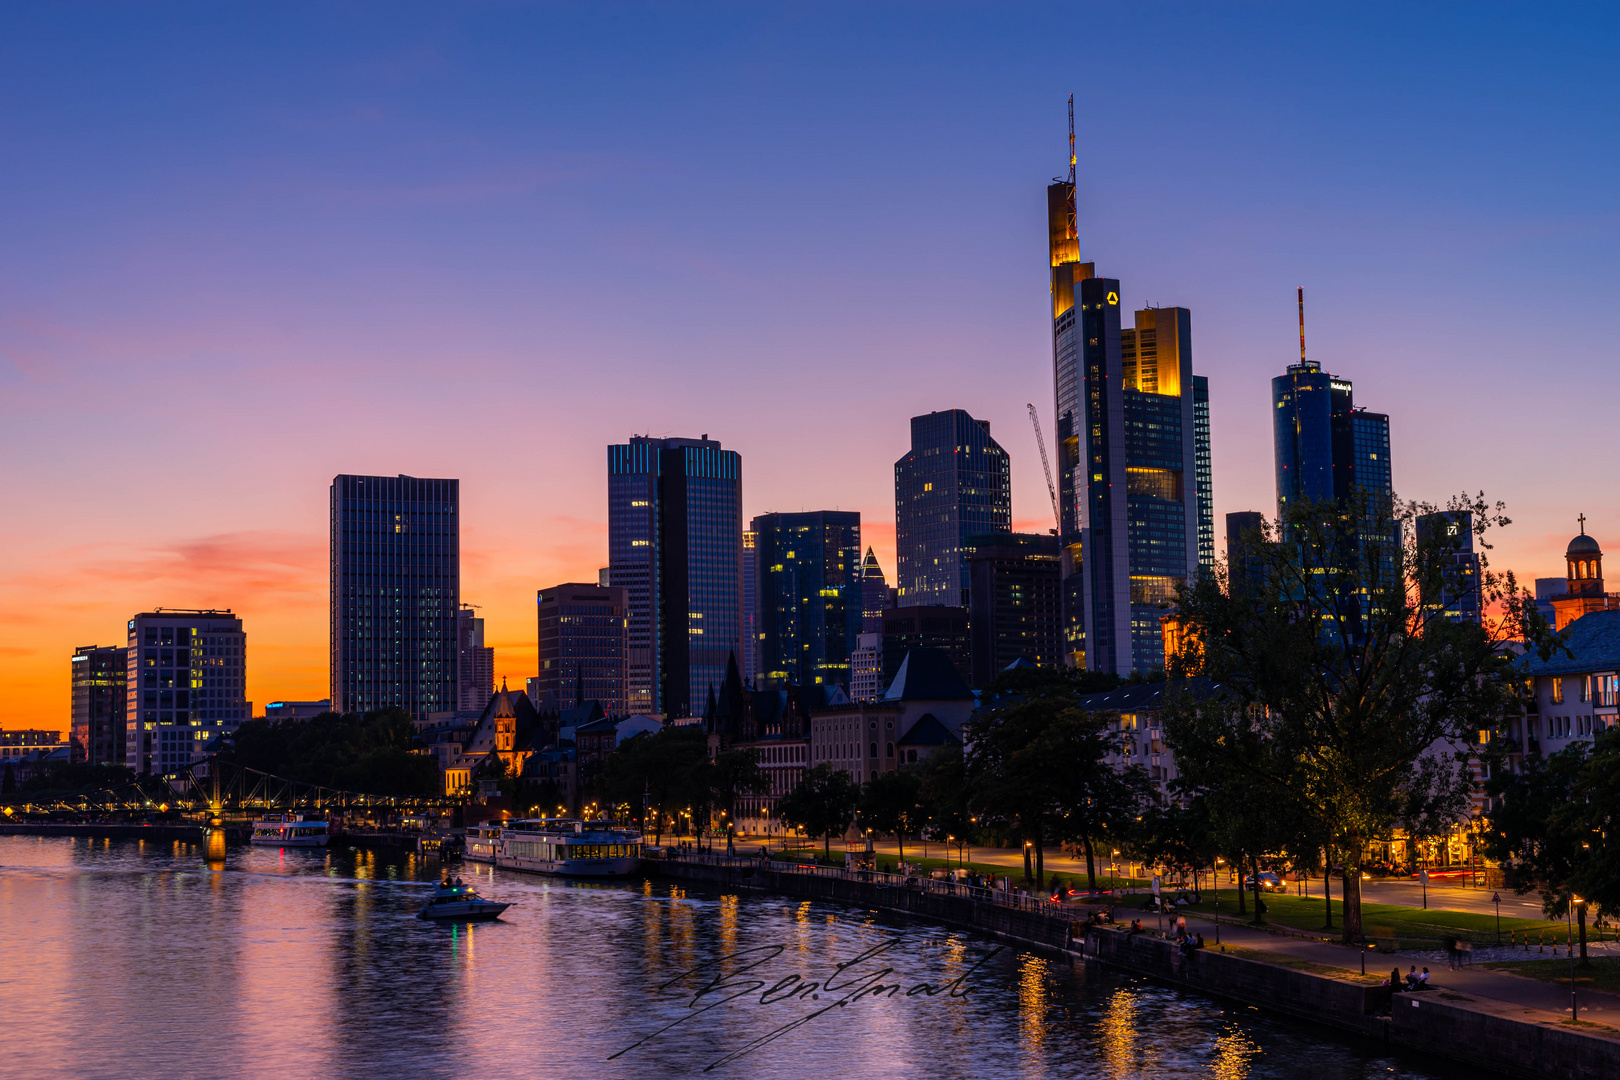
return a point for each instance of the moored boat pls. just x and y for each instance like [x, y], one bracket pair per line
[454, 900]
[291, 830]
[569, 848]
[480, 842]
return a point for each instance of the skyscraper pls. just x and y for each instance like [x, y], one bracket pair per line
[1456, 592]
[582, 647]
[1016, 609]
[395, 593]
[185, 684]
[810, 595]
[954, 483]
[100, 678]
[675, 546]
[874, 594]
[1136, 510]
[475, 663]
[749, 660]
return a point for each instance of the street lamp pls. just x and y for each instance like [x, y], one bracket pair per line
[1569, 914]
[1496, 898]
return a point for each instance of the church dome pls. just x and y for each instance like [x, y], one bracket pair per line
[1582, 545]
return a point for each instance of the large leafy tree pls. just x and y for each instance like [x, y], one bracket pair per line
[891, 802]
[1333, 641]
[822, 803]
[657, 771]
[731, 775]
[369, 753]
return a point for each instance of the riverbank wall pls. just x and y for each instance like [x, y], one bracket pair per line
[193, 834]
[1495, 1037]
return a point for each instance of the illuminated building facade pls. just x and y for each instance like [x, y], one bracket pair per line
[1135, 503]
[100, 675]
[395, 594]
[1582, 591]
[810, 596]
[675, 547]
[583, 645]
[954, 483]
[185, 685]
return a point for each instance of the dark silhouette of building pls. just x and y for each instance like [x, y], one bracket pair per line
[1015, 611]
[809, 595]
[1454, 591]
[675, 547]
[395, 594]
[928, 626]
[475, 663]
[953, 483]
[100, 678]
[583, 634]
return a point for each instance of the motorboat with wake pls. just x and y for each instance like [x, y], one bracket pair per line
[459, 902]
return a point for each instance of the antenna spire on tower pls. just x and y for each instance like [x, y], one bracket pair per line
[1071, 138]
[1302, 324]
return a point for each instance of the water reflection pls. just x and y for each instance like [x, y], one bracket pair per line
[174, 961]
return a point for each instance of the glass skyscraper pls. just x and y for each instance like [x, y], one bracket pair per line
[185, 685]
[675, 547]
[810, 595]
[395, 593]
[1136, 511]
[953, 484]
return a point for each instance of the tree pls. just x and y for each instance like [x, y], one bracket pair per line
[943, 792]
[822, 803]
[891, 802]
[369, 753]
[733, 774]
[1338, 652]
[658, 770]
[1090, 798]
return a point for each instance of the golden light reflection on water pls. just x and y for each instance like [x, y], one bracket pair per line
[1032, 999]
[1233, 1052]
[1117, 1034]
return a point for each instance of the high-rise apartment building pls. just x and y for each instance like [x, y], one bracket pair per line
[810, 595]
[675, 547]
[955, 482]
[1136, 509]
[185, 685]
[100, 677]
[750, 593]
[1016, 610]
[475, 663]
[583, 644]
[395, 594]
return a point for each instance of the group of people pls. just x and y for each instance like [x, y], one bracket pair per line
[1415, 980]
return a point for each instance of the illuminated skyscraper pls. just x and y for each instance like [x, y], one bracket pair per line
[675, 546]
[874, 594]
[954, 483]
[100, 676]
[1136, 512]
[749, 660]
[810, 595]
[395, 594]
[185, 685]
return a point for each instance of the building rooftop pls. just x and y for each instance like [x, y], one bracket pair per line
[1594, 642]
[927, 675]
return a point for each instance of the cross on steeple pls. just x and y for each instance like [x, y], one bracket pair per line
[1582, 520]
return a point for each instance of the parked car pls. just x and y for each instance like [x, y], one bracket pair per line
[1269, 882]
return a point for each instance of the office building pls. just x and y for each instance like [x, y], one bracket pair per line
[875, 595]
[811, 596]
[675, 547]
[185, 685]
[100, 675]
[295, 711]
[749, 660]
[1245, 531]
[866, 668]
[583, 644]
[395, 594]
[1136, 509]
[953, 483]
[475, 662]
[929, 626]
[1456, 594]
[1015, 611]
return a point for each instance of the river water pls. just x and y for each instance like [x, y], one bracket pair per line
[127, 959]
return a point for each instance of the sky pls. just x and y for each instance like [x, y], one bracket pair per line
[244, 248]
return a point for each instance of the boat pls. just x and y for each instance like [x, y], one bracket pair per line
[460, 902]
[481, 842]
[291, 830]
[569, 847]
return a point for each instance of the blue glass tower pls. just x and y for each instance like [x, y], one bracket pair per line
[953, 484]
[395, 593]
[675, 546]
[809, 594]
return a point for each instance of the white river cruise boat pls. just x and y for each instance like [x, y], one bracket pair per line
[480, 843]
[569, 847]
[291, 830]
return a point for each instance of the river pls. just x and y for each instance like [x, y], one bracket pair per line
[129, 959]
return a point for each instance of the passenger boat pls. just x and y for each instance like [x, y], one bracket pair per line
[569, 847]
[480, 843]
[291, 830]
[455, 901]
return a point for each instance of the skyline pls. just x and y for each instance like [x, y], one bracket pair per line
[238, 270]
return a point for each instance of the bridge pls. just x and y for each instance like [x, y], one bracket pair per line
[217, 787]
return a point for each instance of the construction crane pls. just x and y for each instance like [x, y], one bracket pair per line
[1051, 488]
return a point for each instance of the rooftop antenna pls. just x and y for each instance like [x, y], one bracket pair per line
[1071, 138]
[1302, 325]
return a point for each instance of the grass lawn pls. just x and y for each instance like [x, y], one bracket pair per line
[928, 865]
[1381, 921]
[1603, 974]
